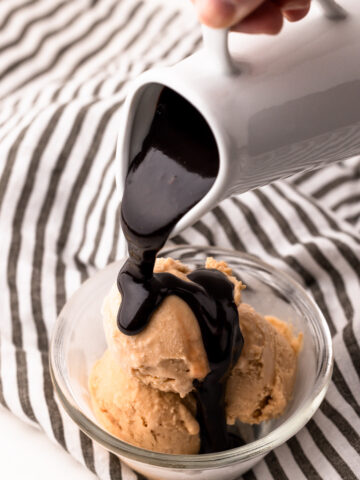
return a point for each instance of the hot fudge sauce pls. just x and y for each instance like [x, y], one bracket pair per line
[174, 170]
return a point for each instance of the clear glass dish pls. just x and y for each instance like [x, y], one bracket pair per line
[78, 341]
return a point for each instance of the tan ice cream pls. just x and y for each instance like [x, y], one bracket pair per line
[261, 383]
[169, 354]
[142, 415]
[141, 388]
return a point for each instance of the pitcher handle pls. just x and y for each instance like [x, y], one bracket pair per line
[216, 40]
[216, 43]
[332, 9]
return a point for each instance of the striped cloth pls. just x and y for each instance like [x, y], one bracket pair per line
[65, 68]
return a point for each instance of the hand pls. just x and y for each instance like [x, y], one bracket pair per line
[251, 16]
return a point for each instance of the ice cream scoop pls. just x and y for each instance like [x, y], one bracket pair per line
[261, 383]
[151, 374]
[141, 415]
[169, 354]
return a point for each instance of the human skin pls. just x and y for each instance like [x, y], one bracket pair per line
[251, 16]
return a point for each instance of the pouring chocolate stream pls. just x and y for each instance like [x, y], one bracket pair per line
[176, 167]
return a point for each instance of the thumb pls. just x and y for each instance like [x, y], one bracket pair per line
[224, 13]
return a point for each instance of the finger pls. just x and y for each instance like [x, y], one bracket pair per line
[266, 19]
[224, 13]
[295, 15]
[292, 4]
[294, 10]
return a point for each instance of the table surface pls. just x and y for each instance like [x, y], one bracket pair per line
[37, 454]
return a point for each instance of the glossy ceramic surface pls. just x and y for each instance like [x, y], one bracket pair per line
[292, 103]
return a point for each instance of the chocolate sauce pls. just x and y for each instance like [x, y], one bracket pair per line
[175, 168]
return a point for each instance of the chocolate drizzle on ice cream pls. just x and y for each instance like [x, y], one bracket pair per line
[176, 167]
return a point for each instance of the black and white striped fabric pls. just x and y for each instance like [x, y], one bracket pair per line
[65, 66]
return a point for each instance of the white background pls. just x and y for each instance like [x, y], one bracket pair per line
[26, 453]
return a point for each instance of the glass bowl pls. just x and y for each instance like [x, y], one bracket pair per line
[78, 341]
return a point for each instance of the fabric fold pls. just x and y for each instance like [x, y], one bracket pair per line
[65, 71]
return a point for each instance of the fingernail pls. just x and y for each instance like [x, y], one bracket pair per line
[216, 13]
[295, 6]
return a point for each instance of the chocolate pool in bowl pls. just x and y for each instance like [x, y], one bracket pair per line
[78, 341]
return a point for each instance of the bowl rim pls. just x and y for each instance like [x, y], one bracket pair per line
[257, 448]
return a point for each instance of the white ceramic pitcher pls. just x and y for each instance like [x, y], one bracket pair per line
[276, 105]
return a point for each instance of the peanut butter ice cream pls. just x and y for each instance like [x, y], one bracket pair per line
[261, 383]
[141, 388]
[141, 415]
[169, 355]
